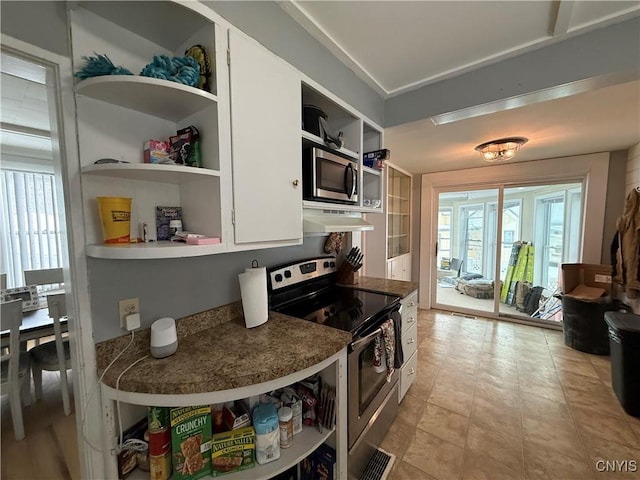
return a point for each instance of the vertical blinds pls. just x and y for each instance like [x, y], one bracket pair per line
[30, 228]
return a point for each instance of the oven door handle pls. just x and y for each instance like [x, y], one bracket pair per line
[355, 343]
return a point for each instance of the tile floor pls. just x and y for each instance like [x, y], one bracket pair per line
[495, 400]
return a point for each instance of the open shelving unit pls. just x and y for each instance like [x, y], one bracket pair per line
[118, 113]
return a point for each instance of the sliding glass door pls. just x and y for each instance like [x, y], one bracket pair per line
[522, 234]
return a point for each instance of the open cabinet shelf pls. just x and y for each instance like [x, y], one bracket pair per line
[160, 98]
[177, 174]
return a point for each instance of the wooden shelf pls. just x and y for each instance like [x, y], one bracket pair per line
[317, 140]
[145, 251]
[177, 174]
[159, 98]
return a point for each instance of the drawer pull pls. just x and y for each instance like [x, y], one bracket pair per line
[411, 340]
[411, 372]
[412, 304]
[411, 320]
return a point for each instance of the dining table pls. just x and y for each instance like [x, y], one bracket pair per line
[36, 324]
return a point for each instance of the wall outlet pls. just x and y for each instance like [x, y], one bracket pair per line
[127, 307]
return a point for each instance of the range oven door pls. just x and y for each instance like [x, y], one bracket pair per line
[329, 177]
[367, 387]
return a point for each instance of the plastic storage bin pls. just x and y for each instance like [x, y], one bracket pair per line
[624, 338]
[583, 324]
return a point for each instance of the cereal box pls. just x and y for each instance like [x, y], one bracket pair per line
[233, 451]
[191, 442]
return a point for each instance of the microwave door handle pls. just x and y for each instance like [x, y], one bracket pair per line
[349, 190]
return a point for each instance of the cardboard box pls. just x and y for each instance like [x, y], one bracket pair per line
[191, 442]
[586, 282]
[320, 465]
[233, 451]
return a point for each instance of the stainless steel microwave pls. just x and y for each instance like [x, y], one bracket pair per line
[329, 176]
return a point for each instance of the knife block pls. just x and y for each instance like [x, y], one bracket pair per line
[346, 275]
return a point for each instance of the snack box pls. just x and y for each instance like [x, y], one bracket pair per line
[233, 451]
[191, 442]
[157, 151]
[235, 416]
[375, 159]
[320, 465]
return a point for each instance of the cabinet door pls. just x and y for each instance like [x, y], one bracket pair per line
[266, 144]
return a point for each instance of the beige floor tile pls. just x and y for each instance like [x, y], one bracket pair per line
[412, 405]
[601, 360]
[559, 435]
[501, 448]
[550, 392]
[505, 397]
[456, 376]
[547, 464]
[404, 471]
[604, 374]
[444, 424]
[611, 460]
[607, 428]
[497, 378]
[582, 367]
[459, 401]
[598, 402]
[399, 436]
[577, 381]
[543, 370]
[564, 352]
[436, 457]
[493, 416]
[480, 467]
[422, 385]
[534, 406]
[454, 366]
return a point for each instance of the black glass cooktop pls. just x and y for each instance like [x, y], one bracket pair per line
[343, 308]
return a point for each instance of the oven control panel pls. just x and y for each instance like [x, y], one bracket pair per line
[302, 271]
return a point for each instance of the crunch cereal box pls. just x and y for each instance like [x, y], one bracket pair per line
[191, 442]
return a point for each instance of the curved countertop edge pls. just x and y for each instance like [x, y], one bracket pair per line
[219, 396]
[203, 364]
[401, 288]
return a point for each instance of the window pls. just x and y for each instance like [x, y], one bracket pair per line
[29, 225]
[445, 226]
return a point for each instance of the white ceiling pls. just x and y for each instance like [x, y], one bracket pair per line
[397, 46]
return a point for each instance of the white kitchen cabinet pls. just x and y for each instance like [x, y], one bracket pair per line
[266, 145]
[117, 113]
[399, 268]
[409, 312]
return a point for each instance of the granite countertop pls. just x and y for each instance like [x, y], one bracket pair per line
[221, 354]
[400, 288]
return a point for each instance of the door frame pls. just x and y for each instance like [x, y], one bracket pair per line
[68, 180]
[591, 170]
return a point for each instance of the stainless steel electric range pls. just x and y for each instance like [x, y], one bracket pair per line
[307, 289]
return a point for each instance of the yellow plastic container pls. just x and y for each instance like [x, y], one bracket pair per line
[115, 217]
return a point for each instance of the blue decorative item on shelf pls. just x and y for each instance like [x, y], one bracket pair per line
[98, 66]
[185, 70]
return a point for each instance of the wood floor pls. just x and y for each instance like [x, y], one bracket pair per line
[50, 447]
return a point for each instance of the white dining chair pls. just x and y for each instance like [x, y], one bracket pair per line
[15, 364]
[45, 276]
[54, 355]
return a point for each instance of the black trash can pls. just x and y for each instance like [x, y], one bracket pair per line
[624, 337]
[583, 324]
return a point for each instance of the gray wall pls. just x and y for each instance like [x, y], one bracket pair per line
[276, 30]
[177, 287]
[615, 200]
[600, 52]
[43, 24]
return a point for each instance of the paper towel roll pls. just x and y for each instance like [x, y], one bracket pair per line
[253, 288]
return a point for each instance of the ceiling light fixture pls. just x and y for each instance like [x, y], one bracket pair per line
[502, 149]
